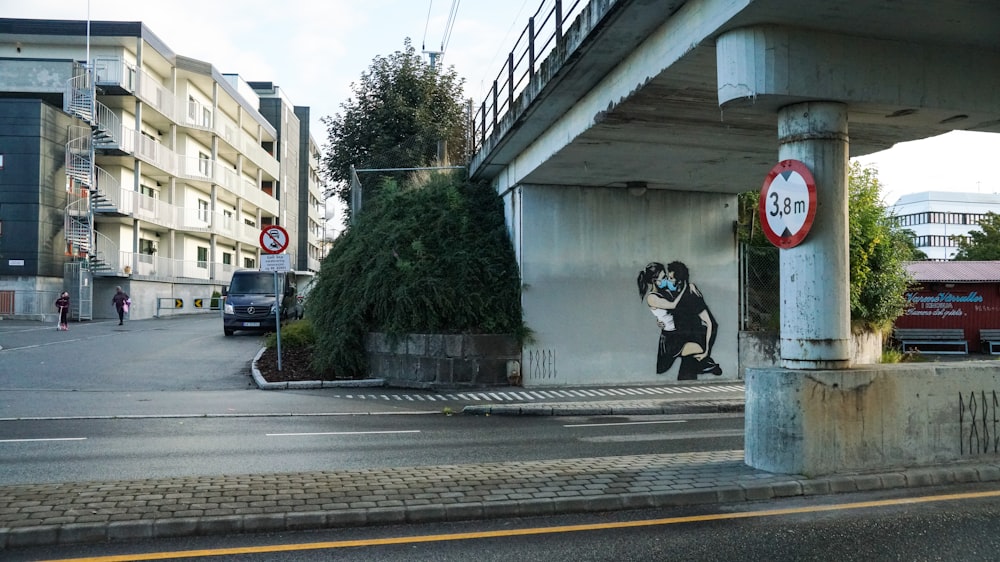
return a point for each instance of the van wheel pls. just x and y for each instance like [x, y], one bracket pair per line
[227, 331]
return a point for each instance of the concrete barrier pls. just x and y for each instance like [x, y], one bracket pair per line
[873, 417]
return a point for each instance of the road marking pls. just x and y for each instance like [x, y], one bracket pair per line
[622, 423]
[533, 530]
[651, 393]
[686, 436]
[214, 416]
[342, 433]
[48, 439]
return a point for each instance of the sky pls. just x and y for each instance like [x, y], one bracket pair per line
[314, 50]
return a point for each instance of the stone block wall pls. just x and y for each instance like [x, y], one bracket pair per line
[442, 361]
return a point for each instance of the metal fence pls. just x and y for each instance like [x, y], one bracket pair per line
[29, 305]
[760, 289]
[542, 34]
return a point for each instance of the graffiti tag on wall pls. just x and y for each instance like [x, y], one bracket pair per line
[687, 327]
[978, 423]
[941, 304]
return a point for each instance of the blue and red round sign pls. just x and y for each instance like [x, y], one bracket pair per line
[273, 239]
[787, 203]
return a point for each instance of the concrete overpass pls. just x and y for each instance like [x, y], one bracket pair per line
[625, 145]
[684, 94]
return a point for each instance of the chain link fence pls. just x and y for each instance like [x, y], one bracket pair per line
[760, 289]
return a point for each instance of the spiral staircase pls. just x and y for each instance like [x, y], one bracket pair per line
[90, 190]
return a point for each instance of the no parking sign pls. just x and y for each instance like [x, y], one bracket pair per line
[787, 203]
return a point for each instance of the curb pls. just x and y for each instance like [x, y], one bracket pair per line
[262, 384]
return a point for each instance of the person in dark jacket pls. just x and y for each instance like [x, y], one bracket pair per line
[62, 303]
[696, 326]
[121, 301]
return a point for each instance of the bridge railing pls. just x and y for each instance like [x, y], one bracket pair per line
[544, 31]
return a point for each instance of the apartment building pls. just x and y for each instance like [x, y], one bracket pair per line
[125, 164]
[937, 217]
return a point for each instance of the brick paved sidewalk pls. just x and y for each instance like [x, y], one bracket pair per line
[171, 507]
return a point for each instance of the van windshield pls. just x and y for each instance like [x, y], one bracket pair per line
[253, 283]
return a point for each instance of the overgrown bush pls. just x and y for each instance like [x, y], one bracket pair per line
[429, 259]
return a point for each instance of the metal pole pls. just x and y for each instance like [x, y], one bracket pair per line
[277, 316]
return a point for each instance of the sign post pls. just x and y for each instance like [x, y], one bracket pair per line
[787, 203]
[274, 240]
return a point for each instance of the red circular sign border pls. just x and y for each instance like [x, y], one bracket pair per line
[773, 237]
[263, 233]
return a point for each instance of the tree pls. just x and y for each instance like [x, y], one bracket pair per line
[878, 250]
[401, 111]
[981, 245]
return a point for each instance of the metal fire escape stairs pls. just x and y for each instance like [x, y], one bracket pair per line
[90, 190]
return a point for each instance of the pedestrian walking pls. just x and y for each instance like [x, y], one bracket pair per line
[62, 303]
[121, 301]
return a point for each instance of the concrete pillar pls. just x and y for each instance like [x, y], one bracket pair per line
[815, 284]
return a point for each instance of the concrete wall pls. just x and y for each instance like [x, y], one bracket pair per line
[581, 250]
[880, 417]
[443, 361]
[144, 295]
[762, 349]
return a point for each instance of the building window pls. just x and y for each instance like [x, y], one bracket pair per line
[147, 201]
[227, 219]
[204, 164]
[202, 257]
[203, 210]
[249, 222]
[227, 258]
[147, 247]
[249, 263]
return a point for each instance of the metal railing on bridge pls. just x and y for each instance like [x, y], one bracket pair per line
[544, 31]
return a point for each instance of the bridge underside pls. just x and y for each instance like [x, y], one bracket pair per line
[645, 95]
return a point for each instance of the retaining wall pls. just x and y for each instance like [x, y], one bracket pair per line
[872, 418]
[442, 361]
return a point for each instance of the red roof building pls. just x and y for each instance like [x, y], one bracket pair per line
[954, 294]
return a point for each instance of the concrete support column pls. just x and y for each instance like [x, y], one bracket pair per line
[815, 284]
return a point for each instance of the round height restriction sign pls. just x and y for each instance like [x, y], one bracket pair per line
[273, 239]
[787, 203]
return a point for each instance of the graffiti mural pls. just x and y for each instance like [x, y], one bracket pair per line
[687, 327]
[978, 423]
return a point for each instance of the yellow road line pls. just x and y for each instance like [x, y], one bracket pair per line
[530, 531]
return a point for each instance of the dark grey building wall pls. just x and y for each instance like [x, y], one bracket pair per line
[303, 248]
[283, 118]
[33, 137]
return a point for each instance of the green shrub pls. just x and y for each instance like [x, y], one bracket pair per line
[893, 355]
[297, 334]
[433, 258]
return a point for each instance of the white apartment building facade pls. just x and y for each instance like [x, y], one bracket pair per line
[163, 170]
[937, 217]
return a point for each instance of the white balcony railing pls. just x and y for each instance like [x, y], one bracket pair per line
[113, 71]
[156, 95]
[199, 115]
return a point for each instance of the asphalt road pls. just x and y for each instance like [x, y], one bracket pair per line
[174, 397]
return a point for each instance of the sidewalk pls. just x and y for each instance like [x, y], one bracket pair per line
[172, 507]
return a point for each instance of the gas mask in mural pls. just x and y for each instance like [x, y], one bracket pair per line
[687, 327]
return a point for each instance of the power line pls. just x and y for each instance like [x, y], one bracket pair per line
[423, 43]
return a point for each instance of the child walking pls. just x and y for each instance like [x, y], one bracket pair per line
[62, 303]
